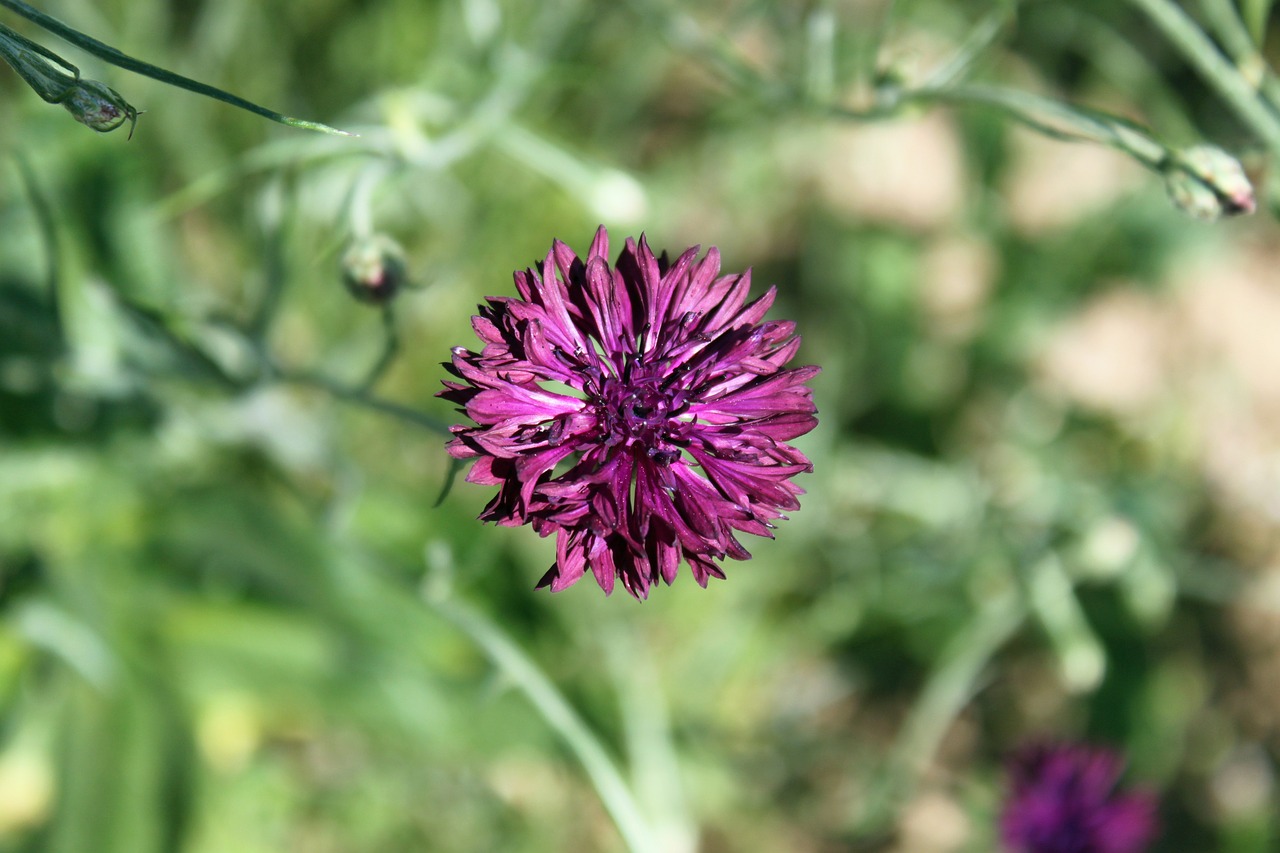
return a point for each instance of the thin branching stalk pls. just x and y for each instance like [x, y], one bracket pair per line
[1234, 34]
[362, 397]
[950, 686]
[1045, 115]
[525, 673]
[390, 348]
[43, 210]
[1198, 49]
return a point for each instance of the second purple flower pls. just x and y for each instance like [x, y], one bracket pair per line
[639, 412]
[1065, 798]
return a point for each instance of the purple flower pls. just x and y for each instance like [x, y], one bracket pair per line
[1063, 799]
[640, 413]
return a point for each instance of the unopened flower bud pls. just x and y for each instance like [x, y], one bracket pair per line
[374, 269]
[99, 107]
[1207, 182]
[57, 81]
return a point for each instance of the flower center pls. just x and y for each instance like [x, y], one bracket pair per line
[637, 413]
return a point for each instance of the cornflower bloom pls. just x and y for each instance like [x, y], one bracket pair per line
[639, 412]
[1064, 799]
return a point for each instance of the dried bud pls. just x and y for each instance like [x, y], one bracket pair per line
[1207, 182]
[99, 107]
[373, 269]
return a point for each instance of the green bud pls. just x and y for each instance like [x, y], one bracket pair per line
[99, 107]
[57, 81]
[1207, 182]
[374, 268]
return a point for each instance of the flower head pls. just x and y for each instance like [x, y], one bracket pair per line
[1063, 799]
[639, 412]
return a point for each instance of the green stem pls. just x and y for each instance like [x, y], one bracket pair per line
[979, 39]
[1234, 34]
[43, 210]
[559, 714]
[950, 686]
[651, 750]
[1201, 52]
[1047, 116]
[363, 398]
[115, 57]
[1255, 13]
[390, 347]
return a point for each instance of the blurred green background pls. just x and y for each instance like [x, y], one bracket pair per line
[1046, 498]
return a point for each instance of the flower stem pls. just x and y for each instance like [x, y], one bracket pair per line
[1045, 115]
[952, 683]
[1234, 34]
[558, 713]
[390, 348]
[115, 57]
[361, 397]
[1201, 52]
[47, 224]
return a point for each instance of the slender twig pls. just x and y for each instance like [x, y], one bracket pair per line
[950, 685]
[820, 54]
[276, 272]
[1045, 115]
[361, 397]
[390, 348]
[49, 232]
[978, 40]
[683, 30]
[558, 713]
[651, 749]
[1231, 29]
[1060, 120]
[110, 54]
[1256, 13]
[1201, 52]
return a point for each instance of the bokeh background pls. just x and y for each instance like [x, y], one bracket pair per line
[1046, 494]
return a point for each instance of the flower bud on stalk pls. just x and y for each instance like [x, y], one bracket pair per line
[1207, 182]
[374, 269]
[99, 107]
[57, 81]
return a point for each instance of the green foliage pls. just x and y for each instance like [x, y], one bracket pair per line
[233, 619]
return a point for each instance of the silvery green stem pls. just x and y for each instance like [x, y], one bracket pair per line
[1255, 13]
[390, 348]
[558, 713]
[1240, 44]
[1198, 49]
[1045, 115]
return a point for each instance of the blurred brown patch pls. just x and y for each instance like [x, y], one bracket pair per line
[1196, 369]
[908, 173]
[1053, 183]
[1112, 356]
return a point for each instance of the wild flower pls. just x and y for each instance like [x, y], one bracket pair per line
[639, 412]
[1065, 799]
